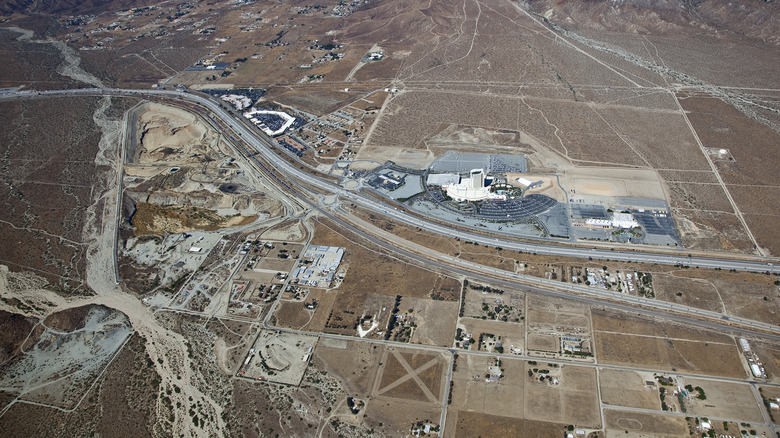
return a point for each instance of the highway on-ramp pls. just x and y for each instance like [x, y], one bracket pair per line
[261, 144]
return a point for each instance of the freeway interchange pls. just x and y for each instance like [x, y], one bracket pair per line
[260, 144]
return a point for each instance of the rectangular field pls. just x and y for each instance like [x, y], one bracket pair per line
[511, 335]
[725, 400]
[435, 321]
[636, 424]
[471, 391]
[629, 389]
[573, 400]
[465, 424]
[663, 354]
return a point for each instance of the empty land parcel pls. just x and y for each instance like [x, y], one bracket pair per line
[523, 391]
[646, 345]
[750, 174]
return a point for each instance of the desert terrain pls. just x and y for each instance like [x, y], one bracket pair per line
[217, 218]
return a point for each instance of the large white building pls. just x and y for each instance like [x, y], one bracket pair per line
[472, 188]
[619, 220]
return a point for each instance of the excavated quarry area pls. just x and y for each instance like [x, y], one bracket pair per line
[180, 177]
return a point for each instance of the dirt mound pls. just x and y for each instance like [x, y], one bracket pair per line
[71, 319]
[172, 135]
[159, 219]
[14, 329]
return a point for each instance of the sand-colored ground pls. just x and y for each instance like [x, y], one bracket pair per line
[287, 232]
[413, 159]
[596, 181]
[725, 400]
[549, 186]
[170, 134]
[636, 424]
[181, 177]
[629, 389]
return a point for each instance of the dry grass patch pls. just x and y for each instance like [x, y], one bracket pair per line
[698, 197]
[355, 363]
[639, 424]
[663, 354]
[435, 321]
[720, 125]
[467, 424]
[627, 388]
[692, 292]
[705, 231]
[725, 400]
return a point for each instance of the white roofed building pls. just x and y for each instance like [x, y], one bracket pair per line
[472, 189]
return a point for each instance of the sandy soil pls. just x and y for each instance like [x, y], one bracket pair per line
[639, 183]
[549, 185]
[171, 135]
[167, 350]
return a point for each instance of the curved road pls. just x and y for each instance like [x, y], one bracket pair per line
[262, 144]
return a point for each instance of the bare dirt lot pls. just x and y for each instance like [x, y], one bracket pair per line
[572, 401]
[628, 388]
[685, 356]
[544, 311]
[640, 183]
[549, 343]
[641, 342]
[711, 230]
[725, 400]
[412, 376]
[470, 424]
[471, 392]
[435, 321]
[699, 293]
[635, 424]
[618, 322]
[748, 295]
[358, 369]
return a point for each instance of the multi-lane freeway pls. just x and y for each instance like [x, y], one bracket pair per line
[262, 144]
[259, 143]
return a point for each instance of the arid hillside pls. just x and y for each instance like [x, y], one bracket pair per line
[756, 19]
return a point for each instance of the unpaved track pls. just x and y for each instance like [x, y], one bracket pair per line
[167, 349]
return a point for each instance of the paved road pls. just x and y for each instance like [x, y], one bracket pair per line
[591, 295]
[261, 142]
